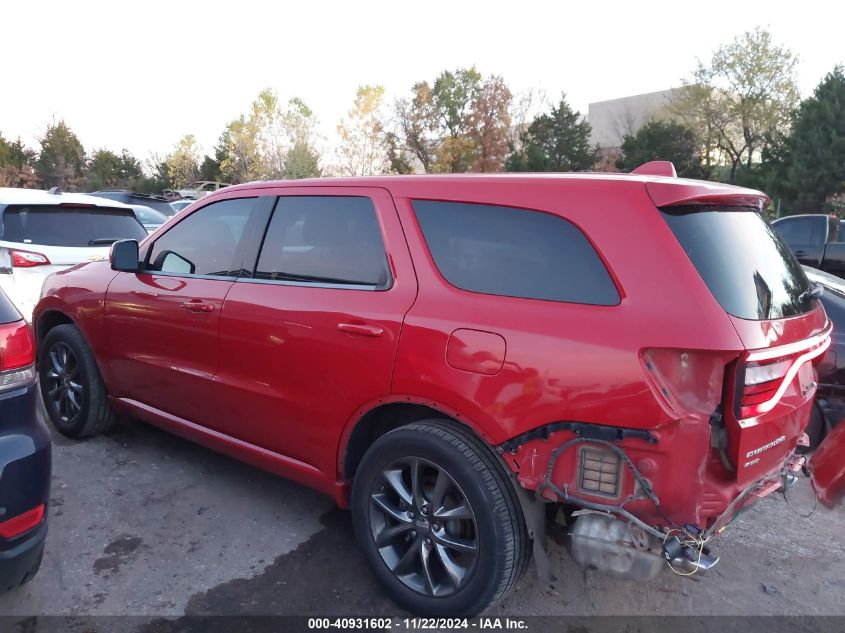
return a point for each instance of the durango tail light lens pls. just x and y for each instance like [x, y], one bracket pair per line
[28, 259]
[768, 373]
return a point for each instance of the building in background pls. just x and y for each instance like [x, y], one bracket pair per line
[612, 120]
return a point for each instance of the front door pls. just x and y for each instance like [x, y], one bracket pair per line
[311, 336]
[162, 323]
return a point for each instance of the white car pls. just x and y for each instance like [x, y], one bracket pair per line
[43, 232]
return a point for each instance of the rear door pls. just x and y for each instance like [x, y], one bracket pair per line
[162, 323]
[310, 335]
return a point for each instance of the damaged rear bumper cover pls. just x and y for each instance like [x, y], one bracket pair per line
[609, 537]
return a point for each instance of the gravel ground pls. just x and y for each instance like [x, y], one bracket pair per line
[146, 524]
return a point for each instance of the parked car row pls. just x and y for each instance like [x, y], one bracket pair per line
[195, 190]
[447, 356]
[157, 203]
[24, 454]
[815, 239]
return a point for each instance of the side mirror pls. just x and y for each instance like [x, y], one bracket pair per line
[124, 256]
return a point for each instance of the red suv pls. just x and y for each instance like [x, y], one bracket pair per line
[449, 355]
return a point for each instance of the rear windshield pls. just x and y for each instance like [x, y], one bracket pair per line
[8, 312]
[747, 266]
[69, 226]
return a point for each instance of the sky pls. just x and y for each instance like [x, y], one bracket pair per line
[139, 75]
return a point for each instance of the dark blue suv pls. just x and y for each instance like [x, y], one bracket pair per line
[24, 454]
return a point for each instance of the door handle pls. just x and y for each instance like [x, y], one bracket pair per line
[360, 329]
[198, 306]
[144, 294]
[800, 253]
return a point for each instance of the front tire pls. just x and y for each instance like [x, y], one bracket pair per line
[438, 520]
[74, 395]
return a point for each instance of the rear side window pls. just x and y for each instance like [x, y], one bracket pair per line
[324, 239]
[747, 266]
[69, 226]
[204, 243]
[514, 252]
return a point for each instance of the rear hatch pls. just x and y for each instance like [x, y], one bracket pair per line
[65, 234]
[756, 279]
[36, 240]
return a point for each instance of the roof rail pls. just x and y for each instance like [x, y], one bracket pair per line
[657, 168]
[55, 191]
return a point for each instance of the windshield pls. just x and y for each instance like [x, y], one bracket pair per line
[69, 226]
[748, 268]
[149, 216]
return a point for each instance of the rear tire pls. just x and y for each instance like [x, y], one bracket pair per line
[72, 389]
[438, 520]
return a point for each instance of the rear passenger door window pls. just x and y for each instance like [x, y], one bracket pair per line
[206, 243]
[326, 240]
[514, 252]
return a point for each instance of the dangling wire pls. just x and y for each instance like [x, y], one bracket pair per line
[697, 541]
[789, 505]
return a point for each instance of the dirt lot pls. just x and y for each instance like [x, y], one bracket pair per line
[146, 524]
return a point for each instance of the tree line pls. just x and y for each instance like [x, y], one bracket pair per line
[736, 118]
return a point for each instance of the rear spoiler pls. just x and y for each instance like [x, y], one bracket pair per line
[676, 193]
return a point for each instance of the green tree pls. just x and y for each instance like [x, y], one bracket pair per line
[301, 161]
[738, 101]
[156, 177]
[210, 168]
[61, 160]
[417, 130]
[453, 96]
[816, 177]
[663, 140]
[363, 149]
[300, 125]
[490, 122]
[108, 170]
[458, 123]
[183, 162]
[256, 145]
[557, 141]
[16, 164]
[240, 159]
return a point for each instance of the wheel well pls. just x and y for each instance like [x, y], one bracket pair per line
[48, 321]
[379, 421]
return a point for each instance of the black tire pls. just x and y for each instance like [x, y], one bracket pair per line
[477, 481]
[85, 410]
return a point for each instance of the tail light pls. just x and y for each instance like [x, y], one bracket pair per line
[766, 374]
[28, 259]
[11, 528]
[17, 354]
